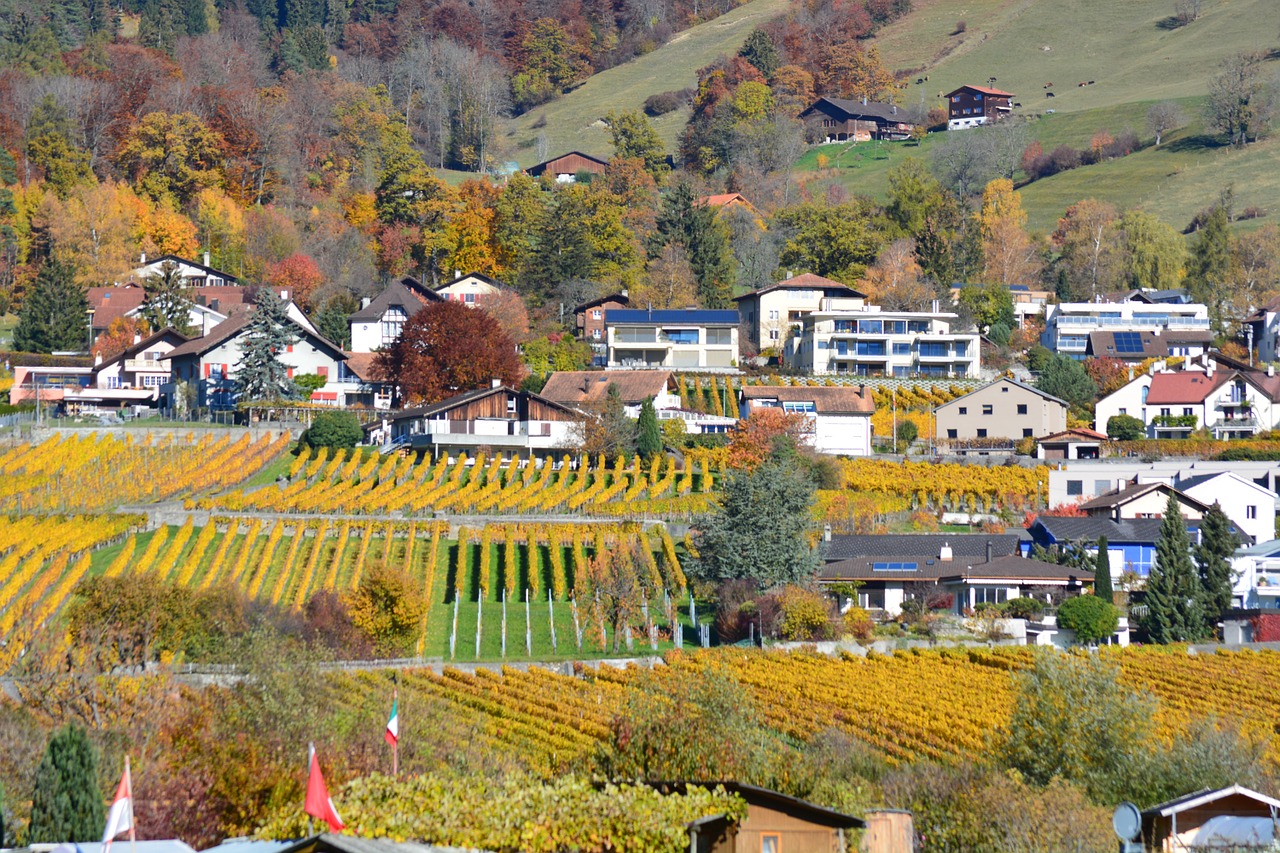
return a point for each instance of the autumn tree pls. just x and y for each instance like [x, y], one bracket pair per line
[508, 309]
[604, 430]
[755, 437]
[848, 70]
[670, 282]
[54, 316]
[1155, 254]
[299, 274]
[836, 241]
[1008, 254]
[50, 148]
[446, 349]
[634, 137]
[388, 607]
[705, 240]
[894, 281]
[1164, 117]
[1243, 98]
[171, 156]
[933, 217]
[1209, 270]
[550, 62]
[1088, 243]
[119, 336]
[761, 52]
[167, 303]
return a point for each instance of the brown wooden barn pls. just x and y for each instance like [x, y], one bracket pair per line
[566, 168]
[970, 106]
[840, 120]
[775, 823]
[1233, 818]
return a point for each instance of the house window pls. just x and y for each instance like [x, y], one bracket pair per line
[964, 410]
[1022, 408]
[1165, 412]
[799, 408]
[595, 334]
[955, 99]
[392, 323]
[113, 381]
[469, 298]
[1004, 389]
[773, 334]
[987, 409]
[773, 315]
[1251, 512]
[1186, 410]
[902, 349]
[595, 314]
[990, 594]
[982, 433]
[770, 843]
[719, 337]
[951, 433]
[1123, 410]
[1075, 488]
[511, 405]
[1026, 432]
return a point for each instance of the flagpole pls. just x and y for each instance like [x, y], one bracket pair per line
[133, 835]
[311, 753]
[395, 747]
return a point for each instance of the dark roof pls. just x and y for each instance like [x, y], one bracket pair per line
[232, 326]
[1093, 528]
[754, 795]
[1006, 379]
[1208, 795]
[178, 259]
[397, 295]
[470, 396]
[830, 400]
[845, 545]
[573, 387]
[1134, 345]
[329, 842]
[857, 109]
[486, 279]
[804, 281]
[929, 567]
[620, 298]
[1119, 497]
[986, 90]
[691, 316]
[134, 349]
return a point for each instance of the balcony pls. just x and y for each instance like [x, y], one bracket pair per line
[1139, 322]
[146, 365]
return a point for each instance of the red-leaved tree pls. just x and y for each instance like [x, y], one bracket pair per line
[298, 274]
[447, 349]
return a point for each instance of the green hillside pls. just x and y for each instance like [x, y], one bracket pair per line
[574, 121]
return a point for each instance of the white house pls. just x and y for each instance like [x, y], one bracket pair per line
[690, 338]
[848, 336]
[1256, 570]
[131, 377]
[840, 417]
[497, 419]
[1068, 324]
[1175, 403]
[583, 389]
[470, 289]
[194, 273]
[378, 322]
[1251, 507]
[770, 313]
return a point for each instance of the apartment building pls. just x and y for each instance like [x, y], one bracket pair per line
[1006, 408]
[689, 339]
[845, 336]
[770, 313]
[1068, 324]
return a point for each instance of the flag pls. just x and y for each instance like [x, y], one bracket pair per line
[120, 818]
[318, 803]
[392, 734]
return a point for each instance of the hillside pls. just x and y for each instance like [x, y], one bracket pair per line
[572, 122]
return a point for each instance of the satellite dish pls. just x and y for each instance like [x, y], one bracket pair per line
[1127, 821]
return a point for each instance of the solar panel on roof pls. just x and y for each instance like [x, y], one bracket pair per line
[1128, 342]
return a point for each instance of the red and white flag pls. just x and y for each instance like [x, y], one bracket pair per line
[318, 803]
[120, 818]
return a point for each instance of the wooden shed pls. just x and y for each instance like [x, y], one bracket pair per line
[565, 168]
[1183, 824]
[775, 823]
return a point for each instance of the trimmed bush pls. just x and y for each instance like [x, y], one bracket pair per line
[1092, 619]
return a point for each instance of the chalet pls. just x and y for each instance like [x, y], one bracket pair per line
[469, 288]
[774, 823]
[131, 377]
[1234, 818]
[496, 420]
[566, 168]
[840, 120]
[726, 202]
[584, 389]
[839, 417]
[1073, 443]
[971, 106]
[378, 322]
[194, 273]
[210, 305]
[770, 313]
[211, 361]
[588, 320]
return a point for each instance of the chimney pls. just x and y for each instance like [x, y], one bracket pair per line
[206, 259]
[137, 339]
[826, 533]
[284, 294]
[495, 383]
[1271, 370]
[364, 302]
[945, 553]
[1131, 373]
[864, 100]
[144, 259]
[457, 274]
[988, 550]
[894, 109]
[97, 359]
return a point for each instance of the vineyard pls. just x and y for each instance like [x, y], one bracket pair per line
[953, 486]
[91, 473]
[353, 483]
[930, 705]
[572, 589]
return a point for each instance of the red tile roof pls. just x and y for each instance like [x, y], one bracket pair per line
[987, 90]
[1184, 387]
[113, 302]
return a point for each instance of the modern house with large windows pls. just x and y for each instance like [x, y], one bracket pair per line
[845, 336]
[690, 338]
[1067, 325]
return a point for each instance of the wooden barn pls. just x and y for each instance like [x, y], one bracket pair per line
[971, 106]
[566, 168]
[840, 120]
[775, 823]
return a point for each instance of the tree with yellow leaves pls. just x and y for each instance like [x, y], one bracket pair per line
[894, 281]
[1008, 254]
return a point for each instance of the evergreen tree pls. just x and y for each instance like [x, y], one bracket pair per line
[55, 313]
[167, 303]
[705, 240]
[760, 51]
[1210, 266]
[1102, 574]
[67, 805]
[648, 434]
[260, 375]
[1173, 598]
[1213, 561]
[760, 530]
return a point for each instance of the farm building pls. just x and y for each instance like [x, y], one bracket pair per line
[840, 120]
[775, 822]
[566, 168]
[1233, 818]
[971, 106]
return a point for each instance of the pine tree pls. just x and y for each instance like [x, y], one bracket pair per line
[1213, 561]
[1102, 574]
[167, 303]
[67, 805]
[260, 375]
[706, 242]
[54, 316]
[648, 435]
[1173, 599]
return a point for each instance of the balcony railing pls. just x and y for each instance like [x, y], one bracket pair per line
[1161, 322]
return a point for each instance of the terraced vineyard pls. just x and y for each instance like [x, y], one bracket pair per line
[936, 705]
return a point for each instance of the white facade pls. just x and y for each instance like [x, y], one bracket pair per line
[1068, 324]
[469, 289]
[194, 274]
[966, 123]
[1129, 399]
[692, 339]
[1249, 506]
[1257, 576]
[848, 337]
[1086, 479]
[1236, 405]
[770, 313]
[839, 419]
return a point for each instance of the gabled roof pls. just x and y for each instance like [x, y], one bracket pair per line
[466, 275]
[843, 546]
[1185, 386]
[691, 316]
[168, 332]
[827, 400]
[857, 109]
[1093, 528]
[620, 298]
[804, 281]
[1075, 434]
[1120, 497]
[575, 387]
[178, 259]
[397, 295]
[229, 328]
[803, 809]
[538, 169]
[1120, 345]
[471, 396]
[1205, 796]
[1197, 480]
[986, 90]
[1009, 380]
[930, 567]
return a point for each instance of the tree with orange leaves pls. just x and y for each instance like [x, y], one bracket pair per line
[299, 274]
[756, 437]
[894, 281]
[119, 336]
[1008, 254]
[471, 234]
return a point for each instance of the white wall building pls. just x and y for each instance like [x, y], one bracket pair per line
[1076, 480]
[1068, 324]
[471, 288]
[690, 339]
[770, 313]
[846, 336]
[840, 417]
[1231, 404]
[194, 273]
[379, 321]
[1252, 508]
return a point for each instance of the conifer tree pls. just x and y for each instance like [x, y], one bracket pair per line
[66, 804]
[260, 375]
[1213, 561]
[706, 242]
[167, 303]
[1173, 599]
[1102, 574]
[55, 314]
[648, 434]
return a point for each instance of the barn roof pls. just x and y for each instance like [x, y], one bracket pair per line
[986, 90]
